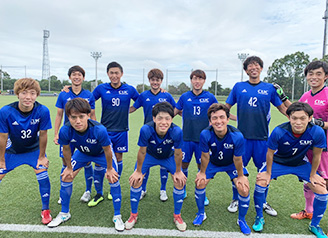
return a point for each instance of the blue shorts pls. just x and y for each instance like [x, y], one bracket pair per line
[80, 160]
[256, 149]
[15, 160]
[231, 170]
[188, 148]
[150, 161]
[301, 171]
[61, 150]
[119, 140]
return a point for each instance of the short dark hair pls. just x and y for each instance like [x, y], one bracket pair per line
[198, 73]
[155, 73]
[77, 105]
[299, 106]
[251, 60]
[217, 107]
[114, 65]
[74, 69]
[162, 107]
[316, 65]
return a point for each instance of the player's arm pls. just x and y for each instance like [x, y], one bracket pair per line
[201, 176]
[177, 111]
[320, 123]
[232, 117]
[179, 176]
[137, 176]
[67, 154]
[282, 95]
[58, 120]
[314, 178]
[3, 143]
[111, 174]
[282, 108]
[241, 180]
[266, 176]
[132, 109]
[42, 160]
[93, 115]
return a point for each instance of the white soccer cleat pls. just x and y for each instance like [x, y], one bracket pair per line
[179, 223]
[233, 207]
[86, 197]
[129, 224]
[143, 194]
[60, 218]
[163, 196]
[119, 224]
[269, 210]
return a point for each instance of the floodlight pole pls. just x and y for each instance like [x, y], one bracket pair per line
[96, 56]
[242, 57]
[325, 43]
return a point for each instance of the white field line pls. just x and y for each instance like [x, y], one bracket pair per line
[139, 231]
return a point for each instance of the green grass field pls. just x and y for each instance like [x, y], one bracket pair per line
[20, 200]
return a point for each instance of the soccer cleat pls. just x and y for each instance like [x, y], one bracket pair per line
[129, 224]
[233, 207]
[206, 201]
[317, 231]
[244, 228]
[143, 194]
[96, 200]
[110, 197]
[200, 217]
[86, 197]
[163, 196]
[179, 223]
[60, 218]
[269, 210]
[59, 200]
[258, 225]
[46, 217]
[119, 224]
[302, 215]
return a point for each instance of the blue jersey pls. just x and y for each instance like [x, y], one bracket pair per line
[194, 113]
[23, 128]
[222, 150]
[89, 142]
[147, 100]
[290, 150]
[253, 108]
[64, 97]
[160, 148]
[115, 105]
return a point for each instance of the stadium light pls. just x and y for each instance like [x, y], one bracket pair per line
[242, 57]
[96, 56]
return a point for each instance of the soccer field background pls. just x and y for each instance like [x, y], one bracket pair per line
[20, 200]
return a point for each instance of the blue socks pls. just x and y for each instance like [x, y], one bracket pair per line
[243, 206]
[145, 180]
[115, 190]
[119, 167]
[319, 208]
[44, 188]
[88, 174]
[234, 191]
[259, 199]
[164, 176]
[99, 173]
[178, 200]
[200, 198]
[66, 189]
[134, 198]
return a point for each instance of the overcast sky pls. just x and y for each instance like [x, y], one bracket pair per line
[174, 35]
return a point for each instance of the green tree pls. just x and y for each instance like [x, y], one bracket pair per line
[285, 70]
[182, 88]
[173, 90]
[140, 87]
[219, 89]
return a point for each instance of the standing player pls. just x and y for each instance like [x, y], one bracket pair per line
[156, 141]
[222, 149]
[76, 74]
[147, 100]
[115, 100]
[316, 75]
[194, 105]
[91, 140]
[24, 124]
[253, 99]
[287, 148]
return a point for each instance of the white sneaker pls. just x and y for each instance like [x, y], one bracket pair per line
[59, 200]
[60, 218]
[86, 197]
[233, 207]
[163, 196]
[143, 194]
[119, 224]
[269, 210]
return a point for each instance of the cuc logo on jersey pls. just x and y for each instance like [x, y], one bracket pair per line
[123, 92]
[35, 121]
[123, 148]
[305, 142]
[91, 141]
[228, 146]
[167, 141]
[204, 100]
[320, 102]
[162, 99]
[263, 92]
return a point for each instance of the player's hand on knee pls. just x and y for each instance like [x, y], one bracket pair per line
[135, 179]
[179, 178]
[317, 180]
[111, 175]
[263, 178]
[200, 180]
[242, 184]
[67, 175]
[42, 161]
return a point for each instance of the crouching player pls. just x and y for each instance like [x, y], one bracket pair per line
[92, 142]
[222, 149]
[26, 123]
[156, 141]
[287, 148]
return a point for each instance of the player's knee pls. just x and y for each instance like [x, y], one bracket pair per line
[201, 185]
[261, 183]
